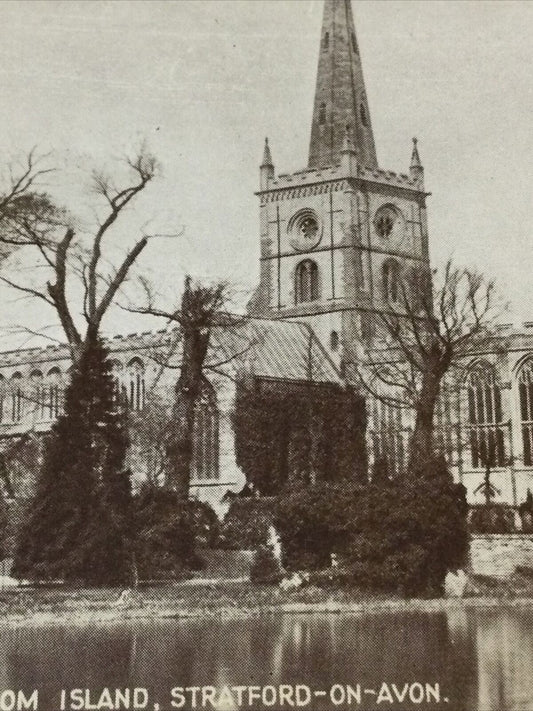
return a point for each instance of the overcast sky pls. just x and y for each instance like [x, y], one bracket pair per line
[204, 81]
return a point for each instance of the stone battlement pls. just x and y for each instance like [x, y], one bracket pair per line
[318, 175]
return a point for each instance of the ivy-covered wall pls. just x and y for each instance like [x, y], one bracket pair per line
[297, 433]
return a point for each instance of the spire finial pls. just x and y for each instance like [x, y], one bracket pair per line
[267, 156]
[415, 157]
[416, 169]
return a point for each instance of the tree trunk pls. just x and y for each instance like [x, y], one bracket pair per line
[180, 442]
[179, 448]
[422, 448]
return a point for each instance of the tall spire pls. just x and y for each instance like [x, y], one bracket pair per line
[340, 99]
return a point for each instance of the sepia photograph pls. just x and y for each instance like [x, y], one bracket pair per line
[266, 355]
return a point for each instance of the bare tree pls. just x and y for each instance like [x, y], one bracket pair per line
[423, 336]
[30, 220]
[202, 309]
[25, 210]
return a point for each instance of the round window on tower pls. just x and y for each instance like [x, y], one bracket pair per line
[388, 222]
[305, 230]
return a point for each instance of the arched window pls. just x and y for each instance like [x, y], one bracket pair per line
[485, 418]
[354, 44]
[38, 394]
[53, 393]
[16, 397]
[391, 280]
[525, 389]
[322, 114]
[306, 282]
[136, 384]
[326, 41]
[205, 456]
[334, 340]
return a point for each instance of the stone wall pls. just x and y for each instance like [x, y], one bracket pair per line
[498, 554]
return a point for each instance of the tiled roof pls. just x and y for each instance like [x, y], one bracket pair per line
[292, 351]
[287, 350]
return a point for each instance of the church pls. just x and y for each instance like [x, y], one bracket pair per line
[335, 239]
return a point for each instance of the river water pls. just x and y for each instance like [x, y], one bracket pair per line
[473, 660]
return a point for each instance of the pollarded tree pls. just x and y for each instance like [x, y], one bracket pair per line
[79, 524]
[423, 336]
[200, 312]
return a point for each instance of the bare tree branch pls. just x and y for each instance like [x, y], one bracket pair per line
[430, 329]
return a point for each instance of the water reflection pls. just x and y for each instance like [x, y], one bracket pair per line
[482, 660]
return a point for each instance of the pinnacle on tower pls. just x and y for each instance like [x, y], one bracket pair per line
[415, 156]
[267, 156]
[266, 169]
[340, 97]
[416, 168]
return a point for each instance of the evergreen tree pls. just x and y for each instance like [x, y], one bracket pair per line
[79, 523]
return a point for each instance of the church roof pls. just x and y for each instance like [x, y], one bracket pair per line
[287, 350]
[341, 104]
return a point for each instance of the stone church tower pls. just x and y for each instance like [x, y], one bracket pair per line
[337, 236]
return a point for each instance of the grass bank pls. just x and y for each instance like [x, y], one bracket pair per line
[225, 599]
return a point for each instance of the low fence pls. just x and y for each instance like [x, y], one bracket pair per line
[499, 518]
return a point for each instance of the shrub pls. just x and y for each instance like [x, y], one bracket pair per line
[205, 523]
[381, 472]
[166, 528]
[316, 521]
[246, 523]
[492, 518]
[266, 568]
[403, 537]
[411, 533]
[526, 513]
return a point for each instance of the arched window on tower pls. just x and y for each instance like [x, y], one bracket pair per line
[326, 41]
[306, 282]
[525, 389]
[16, 397]
[485, 418]
[354, 43]
[390, 272]
[38, 394]
[205, 455]
[54, 403]
[136, 385]
[322, 114]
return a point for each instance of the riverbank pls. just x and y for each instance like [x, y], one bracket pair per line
[235, 599]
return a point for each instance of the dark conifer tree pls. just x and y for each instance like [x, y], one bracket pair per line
[78, 528]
